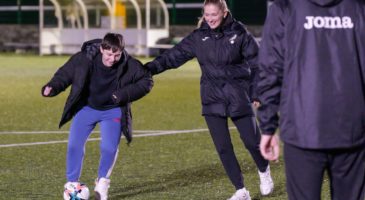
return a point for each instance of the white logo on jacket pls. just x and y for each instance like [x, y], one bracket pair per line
[205, 38]
[232, 39]
[328, 22]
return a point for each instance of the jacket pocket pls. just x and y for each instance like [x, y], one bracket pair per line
[210, 94]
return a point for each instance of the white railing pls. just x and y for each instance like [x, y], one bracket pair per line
[65, 40]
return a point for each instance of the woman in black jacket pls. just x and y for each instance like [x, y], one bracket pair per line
[227, 55]
[105, 80]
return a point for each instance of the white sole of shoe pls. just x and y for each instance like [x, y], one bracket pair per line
[266, 194]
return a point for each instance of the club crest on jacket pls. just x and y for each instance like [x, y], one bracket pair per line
[205, 38]
[232, 39]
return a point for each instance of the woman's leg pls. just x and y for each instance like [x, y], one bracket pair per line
[81, 127]
[250, 135]
[110, 129]
[218, 128]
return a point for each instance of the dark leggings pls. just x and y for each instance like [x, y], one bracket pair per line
[250, 135]
[305, 169]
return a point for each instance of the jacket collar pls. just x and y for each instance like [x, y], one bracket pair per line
[91, 48]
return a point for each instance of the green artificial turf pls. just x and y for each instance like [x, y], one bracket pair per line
[181, 166]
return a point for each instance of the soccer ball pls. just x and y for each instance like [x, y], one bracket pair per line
[75, 191]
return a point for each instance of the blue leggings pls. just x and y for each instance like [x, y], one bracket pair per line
[82, 125]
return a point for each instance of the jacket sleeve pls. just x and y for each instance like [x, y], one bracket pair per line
[248, 67]
[141, 85]
[62, 78]
[360, 46]
[271, 63]
[175, 57]
[250, 53]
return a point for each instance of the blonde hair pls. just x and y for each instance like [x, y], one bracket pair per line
[221, 4]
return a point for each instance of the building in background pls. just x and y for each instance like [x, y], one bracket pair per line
[19, 19]
[182, 12]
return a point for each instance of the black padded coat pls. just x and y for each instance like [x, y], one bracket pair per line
[228, 61]
[134, 82]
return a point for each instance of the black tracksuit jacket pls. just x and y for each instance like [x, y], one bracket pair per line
[228, 61]
[312, 63]
[134, 81]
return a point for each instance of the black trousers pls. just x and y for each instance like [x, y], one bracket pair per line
[305, 170]
[250, 135]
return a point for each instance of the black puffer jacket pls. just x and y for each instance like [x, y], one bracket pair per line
[227, 58]
[133, 83]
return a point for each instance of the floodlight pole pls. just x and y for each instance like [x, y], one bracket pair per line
[148, 15]
[166, 13]
[19, 13]
[58, 13]
[84, 12]
[111, 9]
[40, 25]
[173, 12]
[148, 19]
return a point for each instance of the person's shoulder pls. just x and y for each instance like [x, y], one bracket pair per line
[133, 61]
[281, 9]
[196, 31]
[202, 29]
[282, 4]
[238, 26]
[83, 56]
[77, 56]
[135, 66]
[79, 60]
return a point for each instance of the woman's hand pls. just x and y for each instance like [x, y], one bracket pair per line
[256, 104]
[47, 91]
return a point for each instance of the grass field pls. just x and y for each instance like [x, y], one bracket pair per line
[180, 166]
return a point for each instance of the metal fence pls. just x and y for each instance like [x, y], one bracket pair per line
[182, 12]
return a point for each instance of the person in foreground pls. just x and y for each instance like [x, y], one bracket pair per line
[105, 80]
[312, 67]
[227, 55]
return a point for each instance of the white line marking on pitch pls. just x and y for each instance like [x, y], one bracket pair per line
[167, 132]
[66, 132]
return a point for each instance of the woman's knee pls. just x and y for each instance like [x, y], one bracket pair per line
[74, 148]
[109, 149]
[224, 149]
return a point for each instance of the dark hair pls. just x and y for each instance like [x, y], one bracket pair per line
[113, 41]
